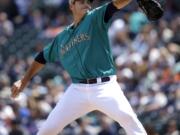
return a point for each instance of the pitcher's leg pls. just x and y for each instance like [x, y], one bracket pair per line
[113, 103]
[72, 106]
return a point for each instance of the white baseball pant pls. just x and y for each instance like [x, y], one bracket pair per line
[80, 99]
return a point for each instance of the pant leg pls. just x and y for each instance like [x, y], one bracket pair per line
[72, 106]
[111, 101]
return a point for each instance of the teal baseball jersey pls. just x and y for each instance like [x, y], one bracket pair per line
[84, 50]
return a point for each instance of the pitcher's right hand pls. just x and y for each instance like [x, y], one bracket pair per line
[17, 87]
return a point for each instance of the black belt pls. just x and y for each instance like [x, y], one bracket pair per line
[92, 81]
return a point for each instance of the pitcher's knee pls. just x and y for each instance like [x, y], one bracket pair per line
[131, 121]
[131, 124]
[129, 118]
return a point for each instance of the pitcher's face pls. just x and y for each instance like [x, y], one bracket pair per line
[80, 7]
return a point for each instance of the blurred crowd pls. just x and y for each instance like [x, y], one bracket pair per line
[147, 56]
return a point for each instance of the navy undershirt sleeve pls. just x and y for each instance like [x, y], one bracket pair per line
[110, 10]
[40, 58]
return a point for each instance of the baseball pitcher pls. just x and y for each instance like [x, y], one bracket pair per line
[84, 51]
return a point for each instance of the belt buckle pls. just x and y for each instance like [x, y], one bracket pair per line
[88, 81]
[99, 80]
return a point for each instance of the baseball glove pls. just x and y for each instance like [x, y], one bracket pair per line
[152, 8]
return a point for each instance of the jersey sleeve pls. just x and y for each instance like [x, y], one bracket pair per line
[98, 16]
[51, 52]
